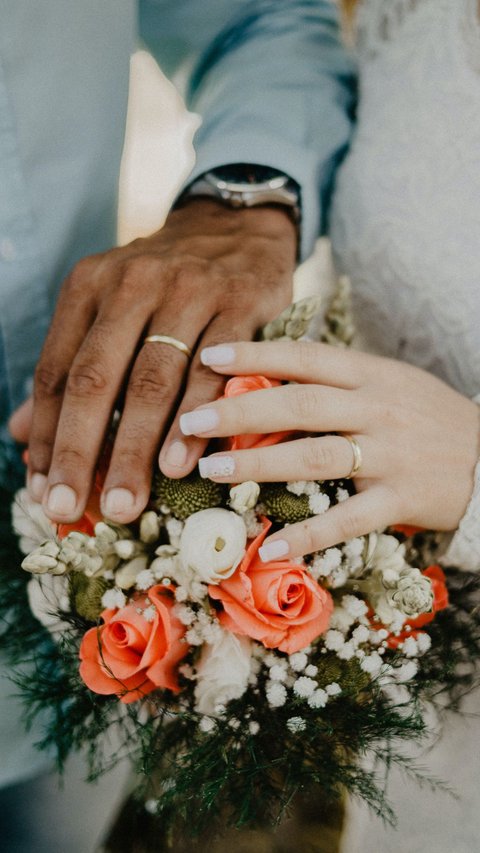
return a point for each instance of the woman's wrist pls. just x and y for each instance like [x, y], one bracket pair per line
[463, 550]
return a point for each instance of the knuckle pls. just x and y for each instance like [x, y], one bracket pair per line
[316, 456]
[146, 384]
[49, 382]
[82, 271]
[86, 380]
[69, 458]
[304, 355]
[305, 402]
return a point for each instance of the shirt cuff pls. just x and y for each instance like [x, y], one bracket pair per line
[279, 156]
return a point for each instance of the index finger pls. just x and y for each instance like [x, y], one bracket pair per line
[298, 361]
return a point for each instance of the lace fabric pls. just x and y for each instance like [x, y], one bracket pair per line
[406, 211]
[406, 217]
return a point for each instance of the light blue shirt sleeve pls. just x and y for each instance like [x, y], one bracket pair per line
[273, 83]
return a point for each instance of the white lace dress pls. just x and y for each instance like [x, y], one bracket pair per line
[406, 228]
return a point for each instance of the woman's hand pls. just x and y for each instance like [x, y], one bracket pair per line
[419, 439]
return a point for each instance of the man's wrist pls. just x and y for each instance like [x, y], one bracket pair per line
[241, 186]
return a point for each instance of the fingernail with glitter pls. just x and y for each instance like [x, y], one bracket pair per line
[216, 466]
[274, 550]
[199, 422]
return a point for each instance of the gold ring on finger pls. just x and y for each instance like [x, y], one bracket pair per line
[172, 342]
[357, 456]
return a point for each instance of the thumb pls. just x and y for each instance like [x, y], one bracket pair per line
[21, 421]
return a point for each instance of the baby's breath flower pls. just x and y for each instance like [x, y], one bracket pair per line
[253, 727]
[423, 642]
[333, 689]
[114, 598]
[278, 672]
[185, 614]
[298, 661]
[360, 634]
[296, 724]
[410, 647]
[347, 651]
[324, 564]
[149, 613]
[304, 687]
[372, 663]
[311, 670]
[145, 579]
[341, 495]
[276, 694]
[354, 605]
[318, 699]
[318, 503]
[334, 640]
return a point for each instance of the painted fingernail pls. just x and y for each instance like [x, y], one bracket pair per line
[217, 355]
[62, 500]
[273, 550]
[216, 466]
[118, 502]
[36, 486]
[176, 454]
[203, 420]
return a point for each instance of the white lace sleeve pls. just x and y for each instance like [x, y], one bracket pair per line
[464, 548]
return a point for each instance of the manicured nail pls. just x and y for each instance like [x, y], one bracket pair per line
[196, 423]
[216, 466]
[62, 500]
[176, 454]
[273, 550]
[118, 502]
[36, 486]
[217, 355]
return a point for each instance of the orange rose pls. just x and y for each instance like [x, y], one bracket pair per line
[242, 385]
[277, 603]
[130, 654]
[440, 602]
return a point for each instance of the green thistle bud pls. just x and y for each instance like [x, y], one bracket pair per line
[188, 495]
[86, 595]
[346, 673]
[283, 506]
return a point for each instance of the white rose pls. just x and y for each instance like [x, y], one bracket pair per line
[223, 672]
[212, 544]
[244, 496]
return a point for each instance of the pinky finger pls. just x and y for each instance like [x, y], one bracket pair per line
[358, 515]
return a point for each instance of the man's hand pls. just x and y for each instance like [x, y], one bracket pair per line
[211, 274]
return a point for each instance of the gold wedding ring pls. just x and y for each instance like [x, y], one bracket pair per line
[357, 456]
[172, 342]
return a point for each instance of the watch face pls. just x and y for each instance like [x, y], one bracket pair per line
[245, 173]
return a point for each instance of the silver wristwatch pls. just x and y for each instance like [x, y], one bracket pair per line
[243, 185]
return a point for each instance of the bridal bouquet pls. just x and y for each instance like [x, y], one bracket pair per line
[234, 683]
